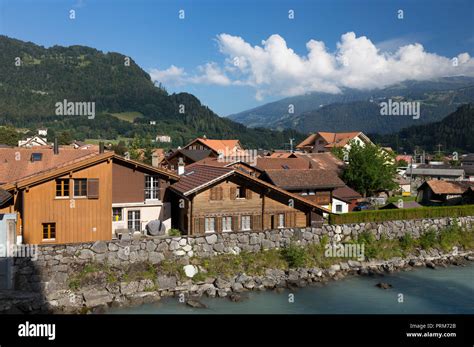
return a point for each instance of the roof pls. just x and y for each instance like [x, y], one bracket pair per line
[406, 204]
[217, 145]
[16, 164]
[267, 163]
[193, 154]
[447, 187]
[282, 155]
[407, 158]
[4, 196]
[435, 170]
[323, 161]
[346, 193]
[332, 139]
[304, 179]
[202, 176]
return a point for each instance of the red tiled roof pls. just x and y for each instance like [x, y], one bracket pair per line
[448, 187]
[267, 163]
[322, 161]
[304, 179]
[197, 176]
[16, 164]
[346, 193]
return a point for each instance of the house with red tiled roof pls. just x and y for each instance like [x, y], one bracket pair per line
[441, 192]
[65, 195]
[222, 199]
[326, 141]
[217, 146]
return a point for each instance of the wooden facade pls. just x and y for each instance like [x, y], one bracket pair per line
[259, 208]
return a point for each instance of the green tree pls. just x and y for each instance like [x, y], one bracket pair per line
[65, 138]
[370, 169]
[9, 136]
[134, 148]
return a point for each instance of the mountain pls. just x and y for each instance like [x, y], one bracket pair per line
[34, 78]
[360, 110]
[454, 133]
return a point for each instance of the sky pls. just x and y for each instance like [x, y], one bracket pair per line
[236, 55]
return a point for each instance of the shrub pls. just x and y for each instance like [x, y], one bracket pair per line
[428, 239]
[400, 214]
[294, 255]
[174, 232]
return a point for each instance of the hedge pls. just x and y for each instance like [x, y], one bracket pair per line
[400, 214]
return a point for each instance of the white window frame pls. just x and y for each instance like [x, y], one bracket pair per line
[152, 187]
[340, 207]
[210, 225]
[245, 225]
[281, 220]
[134, 220]
[226, 224]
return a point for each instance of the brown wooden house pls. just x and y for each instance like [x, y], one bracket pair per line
[67, 195]
[218, 199]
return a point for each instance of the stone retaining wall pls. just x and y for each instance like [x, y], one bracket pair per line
[56, 263]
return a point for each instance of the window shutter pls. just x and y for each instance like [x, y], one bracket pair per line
[212, 194]
[93, 188]
[218, 226]
[221, 193]
[233, 193]
[248, 194]
[256, 222]
[201, 225]
[235, 223]
[196, 226]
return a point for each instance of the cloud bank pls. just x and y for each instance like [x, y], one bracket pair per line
[273, 68]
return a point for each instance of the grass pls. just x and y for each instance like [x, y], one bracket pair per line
[398, 197]
[127, 116]
[116, 141]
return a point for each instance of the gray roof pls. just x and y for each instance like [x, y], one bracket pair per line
[435, 172]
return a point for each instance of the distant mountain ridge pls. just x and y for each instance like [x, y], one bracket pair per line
[360, 110]
[33, 79]
[453, 133]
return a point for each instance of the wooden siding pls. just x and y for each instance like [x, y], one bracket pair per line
[75, 219]
[128, 184]
[260, 204]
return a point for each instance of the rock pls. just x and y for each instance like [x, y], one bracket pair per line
[190, 270]
[430, 265]
[99, 247]
[384, 285]
[179, 253]
[237, 287]
[86, 254]
[195, 304]
[187, 248]
[222, 283]
[94, 297]
[166, 282]
[155, 257]
[129, 288]
[354, 263]
[335, 267]
[235, 297]
[211, 239]
[183, 242]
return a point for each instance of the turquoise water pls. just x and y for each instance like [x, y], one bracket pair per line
[444, 290]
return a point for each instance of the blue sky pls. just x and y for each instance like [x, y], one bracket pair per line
[152, 33]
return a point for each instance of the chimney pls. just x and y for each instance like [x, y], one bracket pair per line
[101, 147]
[180, 166]
[56, 146]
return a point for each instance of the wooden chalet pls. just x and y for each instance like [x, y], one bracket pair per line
[220, 199]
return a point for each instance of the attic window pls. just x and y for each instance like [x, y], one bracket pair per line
[189, 173]
[36, 157]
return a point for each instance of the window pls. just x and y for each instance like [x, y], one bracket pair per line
[36, 157]
[49, 231]
[216, 193]
[117, 214]
[209, 225]
[240, 193]
[62, 187]
[311, 192]
[281, 220]
[134, 220]
[80, 187]
[245, 223]
[226, 223]
[338, 208]
[152, 190]
[304, 192]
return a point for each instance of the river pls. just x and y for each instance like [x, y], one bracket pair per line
[424, 291]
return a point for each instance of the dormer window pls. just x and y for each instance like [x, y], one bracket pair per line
[36, 157]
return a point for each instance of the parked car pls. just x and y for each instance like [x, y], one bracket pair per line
[363, 206]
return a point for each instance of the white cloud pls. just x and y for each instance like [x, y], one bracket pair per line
[273, 68]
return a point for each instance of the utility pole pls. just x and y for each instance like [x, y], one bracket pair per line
[291, 145]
